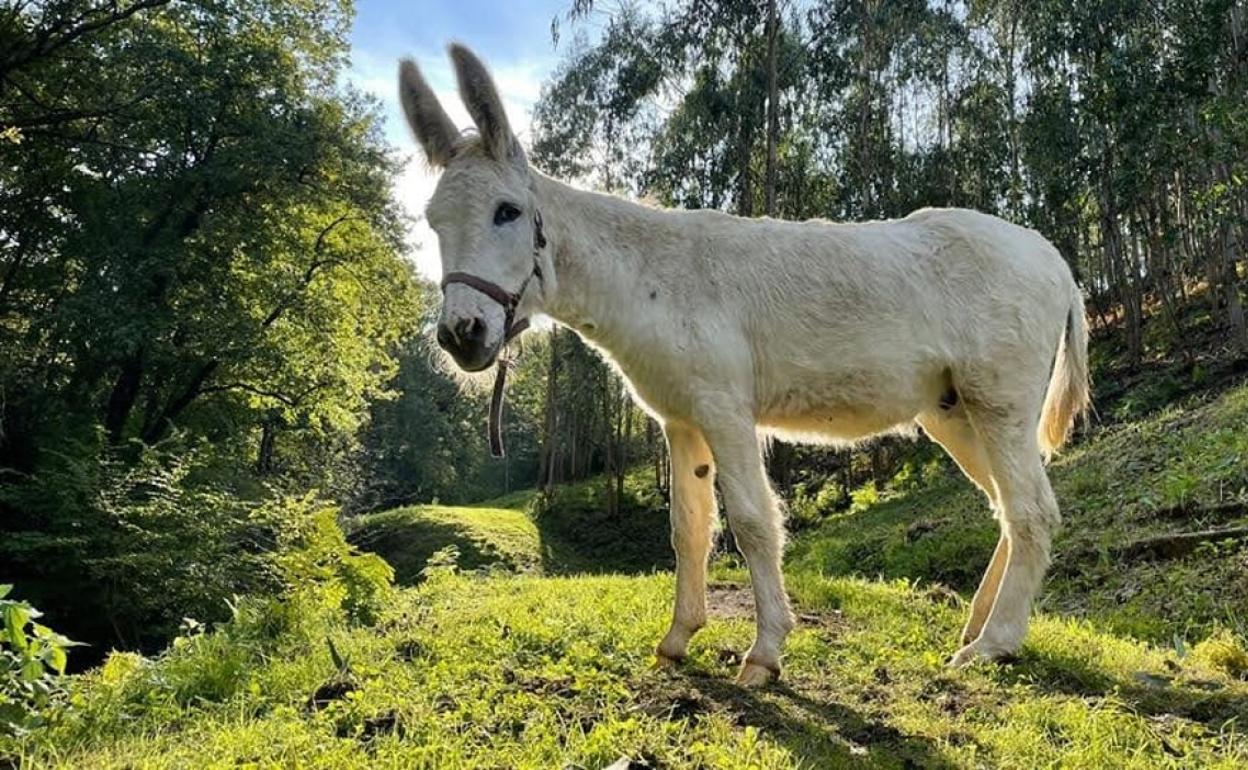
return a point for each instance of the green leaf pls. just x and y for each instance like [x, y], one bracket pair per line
[16, 617]
[339, 663]
[57, 659]
[32, 670]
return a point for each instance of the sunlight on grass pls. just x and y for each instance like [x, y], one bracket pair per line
[546, 672]
[488, 664]
[484, 536]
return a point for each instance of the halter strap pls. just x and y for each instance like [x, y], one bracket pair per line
[509, 300]
[511, 328]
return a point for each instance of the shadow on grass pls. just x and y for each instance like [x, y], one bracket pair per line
[579, 536]
[407, 546]
[1155, 694]
[820, 731]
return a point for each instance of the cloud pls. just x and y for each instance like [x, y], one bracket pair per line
[519, 84]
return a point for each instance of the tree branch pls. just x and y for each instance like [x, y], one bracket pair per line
[47, 40]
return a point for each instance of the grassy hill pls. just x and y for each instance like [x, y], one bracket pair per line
[1136, 658]
[499, 534]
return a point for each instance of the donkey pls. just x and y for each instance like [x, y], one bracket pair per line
[730, 330]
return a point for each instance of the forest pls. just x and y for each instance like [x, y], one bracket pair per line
[216, 362]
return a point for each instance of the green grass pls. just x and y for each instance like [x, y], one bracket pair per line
[1138, 663]
[494, 534]
[1164, 474]
[527, 672]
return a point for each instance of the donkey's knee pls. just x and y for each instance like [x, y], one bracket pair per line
[757, 531]
[1033, 537]
[1031, 520]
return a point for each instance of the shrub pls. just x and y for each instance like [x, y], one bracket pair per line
[32, 664]
[125, 544]
[806, 509]
[1224, 651]
[119, 544]
[313, 555]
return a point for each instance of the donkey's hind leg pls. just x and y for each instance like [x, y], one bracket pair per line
[958, 437]
[693, 517]
[1029, 515]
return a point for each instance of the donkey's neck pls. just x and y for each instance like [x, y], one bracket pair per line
[604, 251]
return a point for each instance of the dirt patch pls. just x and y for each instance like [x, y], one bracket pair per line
[733, 601]
[730, 601]
[335, 689]
[681, 703]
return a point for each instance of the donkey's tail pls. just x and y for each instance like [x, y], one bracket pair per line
[1069, 394]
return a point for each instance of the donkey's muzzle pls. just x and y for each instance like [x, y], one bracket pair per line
[465, 339]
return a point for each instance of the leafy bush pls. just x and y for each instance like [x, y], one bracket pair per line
[32, 662]
[807, 508]
[122, 547]
[313, 555]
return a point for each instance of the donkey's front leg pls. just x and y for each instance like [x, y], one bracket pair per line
[693, 517]
[754, 515]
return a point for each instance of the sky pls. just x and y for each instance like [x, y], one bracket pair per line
[511, 36]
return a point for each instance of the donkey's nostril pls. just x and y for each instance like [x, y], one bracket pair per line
[446, 337]
[470, 330]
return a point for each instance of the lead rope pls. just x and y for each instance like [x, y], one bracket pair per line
[495, 426]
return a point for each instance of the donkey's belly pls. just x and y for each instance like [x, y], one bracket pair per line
[842, 427]
[845, 408]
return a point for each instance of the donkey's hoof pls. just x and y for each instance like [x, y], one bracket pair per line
[757, 675]
[976, 651]
[665, 662]
[964, 657]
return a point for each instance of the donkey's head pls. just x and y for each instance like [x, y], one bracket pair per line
[484, 211]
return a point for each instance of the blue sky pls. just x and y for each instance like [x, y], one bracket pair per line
[512, 37]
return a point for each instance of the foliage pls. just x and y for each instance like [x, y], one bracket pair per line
[312, 554]
[136, 544]
[201, 295]
[428, 442]
[32, 663]
[127, 546]
[582, 532]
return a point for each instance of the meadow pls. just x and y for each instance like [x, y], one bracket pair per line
[492, 653]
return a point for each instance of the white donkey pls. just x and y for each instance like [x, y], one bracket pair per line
[728, 328]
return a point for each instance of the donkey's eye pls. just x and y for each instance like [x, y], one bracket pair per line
[506, 212]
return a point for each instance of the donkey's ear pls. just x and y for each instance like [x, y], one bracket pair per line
[476, 88]
[433, 128]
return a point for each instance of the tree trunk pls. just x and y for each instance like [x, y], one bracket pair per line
[773, 110]
[121, 400]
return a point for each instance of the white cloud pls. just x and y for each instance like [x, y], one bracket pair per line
[519, 84]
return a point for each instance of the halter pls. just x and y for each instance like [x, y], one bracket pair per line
[509, 300]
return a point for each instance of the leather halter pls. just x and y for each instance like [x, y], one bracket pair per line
[509, 300]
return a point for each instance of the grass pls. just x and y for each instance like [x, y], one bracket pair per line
[504, 662]
[529, 672]
[1184, 468]
[497, 534]
[572, 533]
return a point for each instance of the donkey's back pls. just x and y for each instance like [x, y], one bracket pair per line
[863, 327]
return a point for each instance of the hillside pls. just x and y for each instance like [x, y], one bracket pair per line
[481, 535]
[1136, 658]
